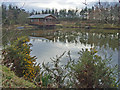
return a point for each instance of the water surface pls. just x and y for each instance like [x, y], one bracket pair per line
[47, 44]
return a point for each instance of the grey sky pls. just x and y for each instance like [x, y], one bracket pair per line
[58, 4]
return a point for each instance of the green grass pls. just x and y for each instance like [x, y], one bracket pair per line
[10, 80]
[77, 24]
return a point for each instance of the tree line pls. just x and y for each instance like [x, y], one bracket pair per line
[106, 13]
[13, 15]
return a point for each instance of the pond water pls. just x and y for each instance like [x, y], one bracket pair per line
[49, 43]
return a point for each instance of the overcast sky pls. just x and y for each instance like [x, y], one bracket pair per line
[58, 4]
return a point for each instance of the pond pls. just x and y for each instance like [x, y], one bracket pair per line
[49, 43]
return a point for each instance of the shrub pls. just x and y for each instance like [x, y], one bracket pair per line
[54, 75]
[17, 57]
[10, 80]
[91, 71]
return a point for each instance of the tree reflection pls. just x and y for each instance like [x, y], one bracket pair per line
[94, 39]
[101, 39]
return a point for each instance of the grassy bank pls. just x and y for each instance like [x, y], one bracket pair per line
[86, 24]
[18, 27]
[67, 24]
[10, 80]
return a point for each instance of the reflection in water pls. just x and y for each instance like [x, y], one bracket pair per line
[45, 49]
[48, 44]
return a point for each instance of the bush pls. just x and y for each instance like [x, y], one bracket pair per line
[10, 80]
[54, 75]
[17, 57]
[90, 71]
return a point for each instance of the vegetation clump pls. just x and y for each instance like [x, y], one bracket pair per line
[10, 80]
[17, 57]
[90, 71]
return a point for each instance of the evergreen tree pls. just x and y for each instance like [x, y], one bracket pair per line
[11, 15]
[49, 11]
[46, 11]
[36, 13]
[53, 11]
[43, 12]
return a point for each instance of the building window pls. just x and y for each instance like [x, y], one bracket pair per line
[36, 20]
[41, 20]
[32, 20]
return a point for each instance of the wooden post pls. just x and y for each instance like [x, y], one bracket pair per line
[119, 11]
[1, 45]
[119, 50]
[119, 59]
